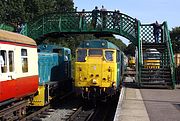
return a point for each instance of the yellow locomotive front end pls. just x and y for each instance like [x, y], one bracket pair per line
[95, 71]
[152, 59]
[152, 63]
[131, 62]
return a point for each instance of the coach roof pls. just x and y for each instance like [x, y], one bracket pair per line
[15, 37]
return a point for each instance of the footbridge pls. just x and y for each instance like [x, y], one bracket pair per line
[7, 27]
[121, 24]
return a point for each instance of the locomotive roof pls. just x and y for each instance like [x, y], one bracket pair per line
[50, 47]
[97, 44]
[15, 37]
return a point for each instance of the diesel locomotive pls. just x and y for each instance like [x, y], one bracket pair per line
[54, 67]
[99, 69]
[152, 58]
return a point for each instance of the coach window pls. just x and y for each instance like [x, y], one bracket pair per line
[3, 61]
[81, 55]
[109, 55]
[11, 61]
[24, 60]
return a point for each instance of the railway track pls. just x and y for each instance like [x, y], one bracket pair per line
[22, 112]
[44, 112]
[36, 115]
[81, 115]
[77, 110]
[67, 109]
[14, 112]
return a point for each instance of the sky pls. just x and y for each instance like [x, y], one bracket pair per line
[147, 11]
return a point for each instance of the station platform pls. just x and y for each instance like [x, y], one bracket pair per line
[148, 104]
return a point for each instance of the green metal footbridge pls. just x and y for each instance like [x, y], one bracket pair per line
[7, 27]
[121, 24]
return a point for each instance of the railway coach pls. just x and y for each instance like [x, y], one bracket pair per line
[98, 69]
[18, 67]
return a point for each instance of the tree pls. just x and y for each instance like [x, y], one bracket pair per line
[71, 41]
[130, 50]
[22, 11]
[64, 5]
[12, 11]
[175, 38]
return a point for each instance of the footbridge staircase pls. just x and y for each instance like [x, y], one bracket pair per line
[162, 75]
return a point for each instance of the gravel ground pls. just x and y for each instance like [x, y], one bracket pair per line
[58, 115]
[62, 110]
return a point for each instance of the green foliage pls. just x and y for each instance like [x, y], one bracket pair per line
[175, 38]
[64, 5]
[130, 50]
[73, 41]
[69, 41]
[12, 11]
[21, 11]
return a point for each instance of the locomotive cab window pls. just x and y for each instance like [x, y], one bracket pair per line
[95, 52]
[59, 51]
[109, 55]
[24, 60]
[118, 56]
[66, 56]
[3, 61]
[81, 55]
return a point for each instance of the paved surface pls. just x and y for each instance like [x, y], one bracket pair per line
[131, 106]
[147, 104]
[162, 104]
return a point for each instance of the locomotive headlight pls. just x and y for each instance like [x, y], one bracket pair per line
[87, 44]
[103, 44]
[114, 84]
[94, 81]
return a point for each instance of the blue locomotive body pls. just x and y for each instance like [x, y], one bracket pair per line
[54, 67]
[54, 63]
[47, 62]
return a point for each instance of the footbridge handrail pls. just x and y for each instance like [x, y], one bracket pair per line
[170, 50]
[6, 27]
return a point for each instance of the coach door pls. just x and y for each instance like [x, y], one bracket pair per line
[6, 62]
[7, 82]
